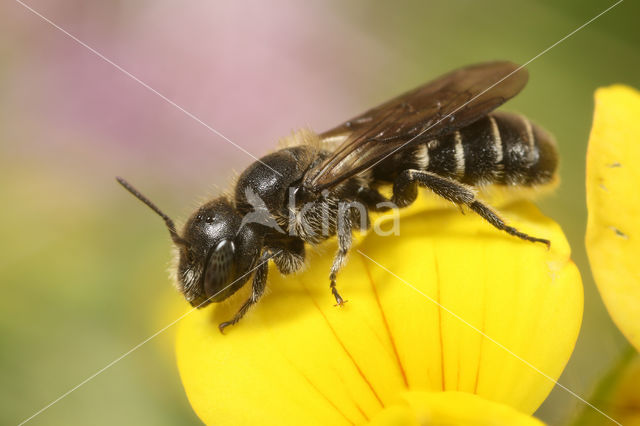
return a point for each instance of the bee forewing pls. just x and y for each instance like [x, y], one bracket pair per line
[440, 107]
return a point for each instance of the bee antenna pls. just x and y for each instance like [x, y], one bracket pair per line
[177, 239]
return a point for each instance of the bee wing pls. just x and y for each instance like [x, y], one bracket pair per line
[437, 108]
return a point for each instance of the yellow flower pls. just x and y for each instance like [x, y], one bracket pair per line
[450, 408]
[508, 319]
[613, 201]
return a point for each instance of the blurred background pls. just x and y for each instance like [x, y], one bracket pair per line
[83, 265]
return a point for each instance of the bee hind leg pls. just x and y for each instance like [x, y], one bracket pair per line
[405, 191]
[490, 216]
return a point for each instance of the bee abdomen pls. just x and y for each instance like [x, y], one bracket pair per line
[470, 155]
[529, 154]
[500, 148]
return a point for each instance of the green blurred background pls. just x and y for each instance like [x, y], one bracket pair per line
[83, 265]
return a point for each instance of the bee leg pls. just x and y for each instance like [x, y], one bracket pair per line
[291, 257]
[405, 188]
[257, 290]
[373, 199]
[490, 216]
[405, 192]
[344, 244]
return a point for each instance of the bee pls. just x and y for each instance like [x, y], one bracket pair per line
[443, 135]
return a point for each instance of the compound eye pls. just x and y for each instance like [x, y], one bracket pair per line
[220, 268]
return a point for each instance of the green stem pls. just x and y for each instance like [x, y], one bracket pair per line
[602, 393]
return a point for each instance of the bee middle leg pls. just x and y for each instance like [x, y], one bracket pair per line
[374, 201]
[405, 191]
[344, 245]
[349, 214]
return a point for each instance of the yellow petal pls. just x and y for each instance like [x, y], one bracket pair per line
[450, 408]
[613, 201]
[297, 359]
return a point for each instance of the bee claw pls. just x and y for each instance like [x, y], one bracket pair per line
[223, 325]
[340, 303]
[339, 300]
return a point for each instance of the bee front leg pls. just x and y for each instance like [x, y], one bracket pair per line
[291, 257]
[257, 290]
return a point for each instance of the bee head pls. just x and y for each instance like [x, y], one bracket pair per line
[214, 258]
[208, 270]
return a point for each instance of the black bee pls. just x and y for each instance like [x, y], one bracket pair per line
[442, 136]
